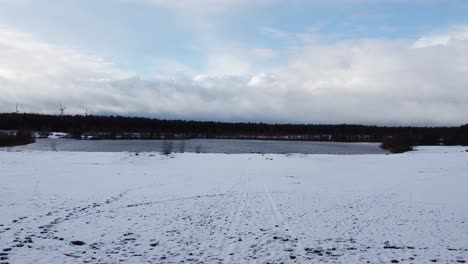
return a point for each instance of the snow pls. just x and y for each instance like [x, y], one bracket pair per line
[234, 208]
[55, 135]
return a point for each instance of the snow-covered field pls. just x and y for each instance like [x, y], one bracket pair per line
[246, 208]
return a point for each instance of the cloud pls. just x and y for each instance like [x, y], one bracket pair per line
[371, 81]
[14, 2]
[203, 6]
[39, 76]
[443, 38]
[223, 5]
[263, 53]
[378, 81]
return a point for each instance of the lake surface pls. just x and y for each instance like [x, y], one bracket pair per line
[205, 146]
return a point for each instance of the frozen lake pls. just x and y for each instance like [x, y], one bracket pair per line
[206, 146]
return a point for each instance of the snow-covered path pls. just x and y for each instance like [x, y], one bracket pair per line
[216, 208]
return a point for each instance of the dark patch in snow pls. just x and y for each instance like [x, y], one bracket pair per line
[77, 243]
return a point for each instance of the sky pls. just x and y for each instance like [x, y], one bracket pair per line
[382, 62]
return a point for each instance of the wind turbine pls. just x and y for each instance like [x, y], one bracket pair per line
[62, 109]
[17, 111]
[86, 112]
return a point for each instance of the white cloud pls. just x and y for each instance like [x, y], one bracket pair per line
[443, 39]
[262, 80]
[263, 53]
[210, 6]
[226, 64]
[14, 2]
[39, 76]
[353, 81]
[207, 5]
[379, 81]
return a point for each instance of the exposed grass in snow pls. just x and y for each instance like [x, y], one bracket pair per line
[69, 207]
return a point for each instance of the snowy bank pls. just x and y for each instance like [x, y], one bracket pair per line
[69, 207]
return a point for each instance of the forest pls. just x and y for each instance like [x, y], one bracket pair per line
[120, 127]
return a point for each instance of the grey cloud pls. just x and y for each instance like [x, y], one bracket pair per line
[354, 81]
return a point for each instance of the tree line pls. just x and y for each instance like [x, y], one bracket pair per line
[120, 127]
[20, 137]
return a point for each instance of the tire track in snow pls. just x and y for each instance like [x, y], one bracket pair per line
[205, 221]
[287, 236]
[188, 230]
[217, 212]
[227, 245]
